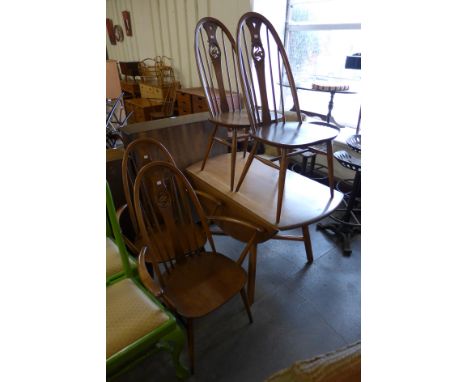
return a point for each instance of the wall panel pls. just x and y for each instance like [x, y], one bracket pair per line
[166, 27]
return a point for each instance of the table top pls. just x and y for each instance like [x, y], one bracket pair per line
[305, 200]
[329, 85]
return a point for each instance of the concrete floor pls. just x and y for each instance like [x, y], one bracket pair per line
[299, 311]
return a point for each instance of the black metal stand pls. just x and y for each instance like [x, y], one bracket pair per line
[344, 229]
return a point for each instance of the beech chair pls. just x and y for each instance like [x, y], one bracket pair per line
[137, 324]
[191, 281]
[269, 90]
[215, 53]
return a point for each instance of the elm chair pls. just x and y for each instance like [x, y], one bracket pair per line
[137, 154]
[266, 81]
[215, 53]
[190, 281]
[136, 322]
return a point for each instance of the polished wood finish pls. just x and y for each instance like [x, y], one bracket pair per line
[193, 282]
[266, 76]
[305, 200]
[215, 53]
[138, 153]
[184, 137]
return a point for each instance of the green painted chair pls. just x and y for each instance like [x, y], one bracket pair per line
[114, 267]
[137, 325]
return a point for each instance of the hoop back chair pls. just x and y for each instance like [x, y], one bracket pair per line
[270, 92]
[191, 281]
[215, 53]
[138, 153]
[136, 323]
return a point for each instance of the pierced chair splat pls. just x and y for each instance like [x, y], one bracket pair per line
[215, 53]
[191, 281]
[270, 92]
[137, 154]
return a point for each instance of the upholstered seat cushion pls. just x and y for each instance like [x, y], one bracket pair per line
[343, 365]
[113, 260]
[130, 315]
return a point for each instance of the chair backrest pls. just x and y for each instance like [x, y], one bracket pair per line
[215, 54]
[147, 68]
[267, 80]
[129, 68]
[137, 154]
[172, 211]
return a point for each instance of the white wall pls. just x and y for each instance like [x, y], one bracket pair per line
[166, 28]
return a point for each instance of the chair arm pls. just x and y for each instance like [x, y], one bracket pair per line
[145, 277]
[126, 240]
[251, 242]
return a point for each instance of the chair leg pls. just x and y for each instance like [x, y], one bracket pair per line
[190, 344]
[331, 181]
[307, 244]
[281, 181]
[209, 147]
[246, 144]
[251, 274]
[233, 156]
[246, 304]
[247, 165]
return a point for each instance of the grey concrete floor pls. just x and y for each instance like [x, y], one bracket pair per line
[300, 311]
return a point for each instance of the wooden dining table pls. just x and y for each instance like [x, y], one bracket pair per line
[305, 201]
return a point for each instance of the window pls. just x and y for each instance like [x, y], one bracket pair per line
[319, 34]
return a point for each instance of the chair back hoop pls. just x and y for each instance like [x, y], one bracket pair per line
[170, 215]
[215, 54]
[116, 231]
[137, 154]
[267, 80]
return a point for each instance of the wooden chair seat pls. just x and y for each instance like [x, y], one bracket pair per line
[190, 286]
[130, 315]
[235, 119]
[292, 135]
